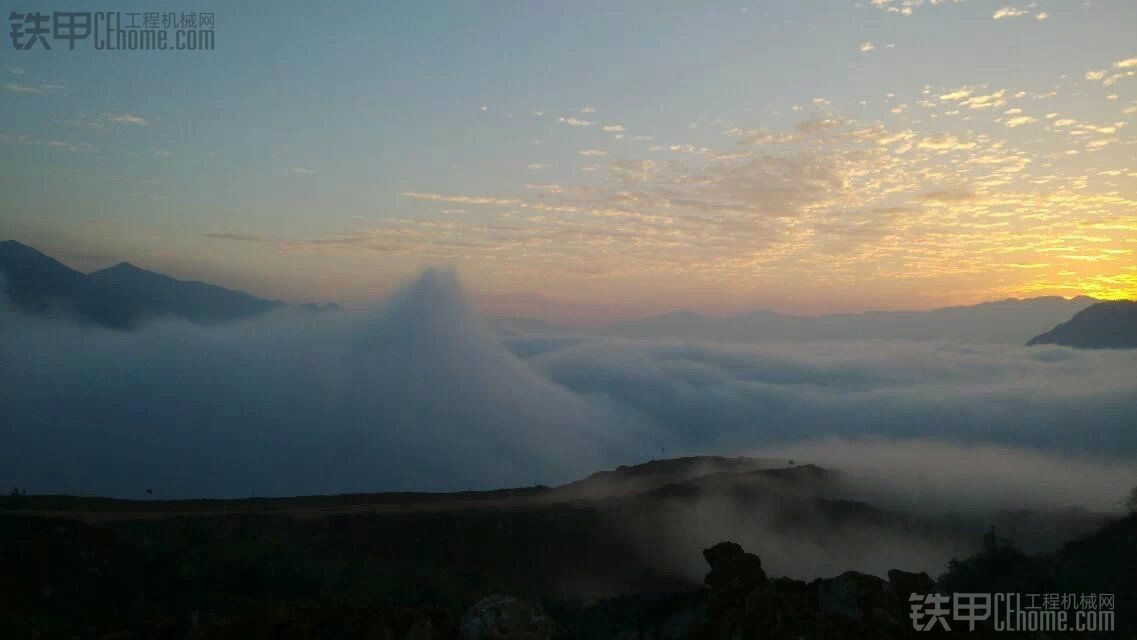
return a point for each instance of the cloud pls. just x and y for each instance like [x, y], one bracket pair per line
[303, 171]
[576, 122]
[1009, 12]
[699, 396]
[243, 237]
[937, 476]
[958, 94]
[16, 71]
[412, 394]
[948, 195]
[899, 7]
[944, 142]
[22, 88]
[986, 101]
[464, 199]
[43, 88]
[1128, 63]
[614, 128]
[592, 152]
[416, 393]
[125, 118]
[867, 46]
[957, 490]
[1019, 121]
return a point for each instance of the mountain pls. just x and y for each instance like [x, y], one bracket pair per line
[1010, 321]
[142, 294]
[1105, 325]
[653, 475]
[39, 284]
[120, 297]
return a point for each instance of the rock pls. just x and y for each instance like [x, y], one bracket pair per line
[422, 629]
[854, 595]
[905, 583]
[733, 571]
[500, 617]
[780, 605]
[379, 631]
[681, 623]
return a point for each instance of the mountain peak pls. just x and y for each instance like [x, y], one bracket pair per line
[126, 267]
[1110, 324]
[13, 248]
[119, 297]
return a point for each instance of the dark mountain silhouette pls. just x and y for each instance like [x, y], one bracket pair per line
[141, 294]
[40, 284]
[120, 297]
[648, 476]
[1005, 321]
[1105, 325]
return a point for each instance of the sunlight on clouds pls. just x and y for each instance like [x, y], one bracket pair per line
[927, 194]
[1020, 121]
[1009, 12]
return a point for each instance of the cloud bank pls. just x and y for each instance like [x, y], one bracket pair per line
[741, 396]
[414, 394]
[417, 394]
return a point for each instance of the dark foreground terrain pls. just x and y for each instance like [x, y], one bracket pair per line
[630, 553]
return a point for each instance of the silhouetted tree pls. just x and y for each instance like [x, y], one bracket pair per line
[1131, 501]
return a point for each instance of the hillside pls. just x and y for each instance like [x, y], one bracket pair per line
[382, 565]
[1104, 325]
[120, 297]
[1005, 321]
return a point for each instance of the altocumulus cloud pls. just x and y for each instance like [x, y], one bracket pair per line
[418, 394]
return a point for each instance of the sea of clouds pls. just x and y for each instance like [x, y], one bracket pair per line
[418, 393]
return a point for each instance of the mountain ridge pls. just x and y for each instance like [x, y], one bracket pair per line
[1008, 321]
[1105, 325]
[123, 296]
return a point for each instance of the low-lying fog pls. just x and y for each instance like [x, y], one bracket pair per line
[418, 394]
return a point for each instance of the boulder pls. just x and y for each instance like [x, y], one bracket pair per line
[421, 629]
[856, 596]
[501, 617]
[734, 572]
[905, 583]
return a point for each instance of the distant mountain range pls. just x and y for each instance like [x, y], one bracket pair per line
[1006, 321]
[1105, 325]
[125, 296]
[119, 297]
[1011, 321]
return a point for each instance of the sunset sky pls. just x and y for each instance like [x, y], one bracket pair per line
[616, 157]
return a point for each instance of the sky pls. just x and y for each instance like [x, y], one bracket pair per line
[620, 158]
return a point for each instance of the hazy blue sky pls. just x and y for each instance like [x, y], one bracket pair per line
[805, 156]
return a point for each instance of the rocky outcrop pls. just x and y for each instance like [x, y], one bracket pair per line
[905, 583]
[734, 572]
[743, 603]
[500, 617]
